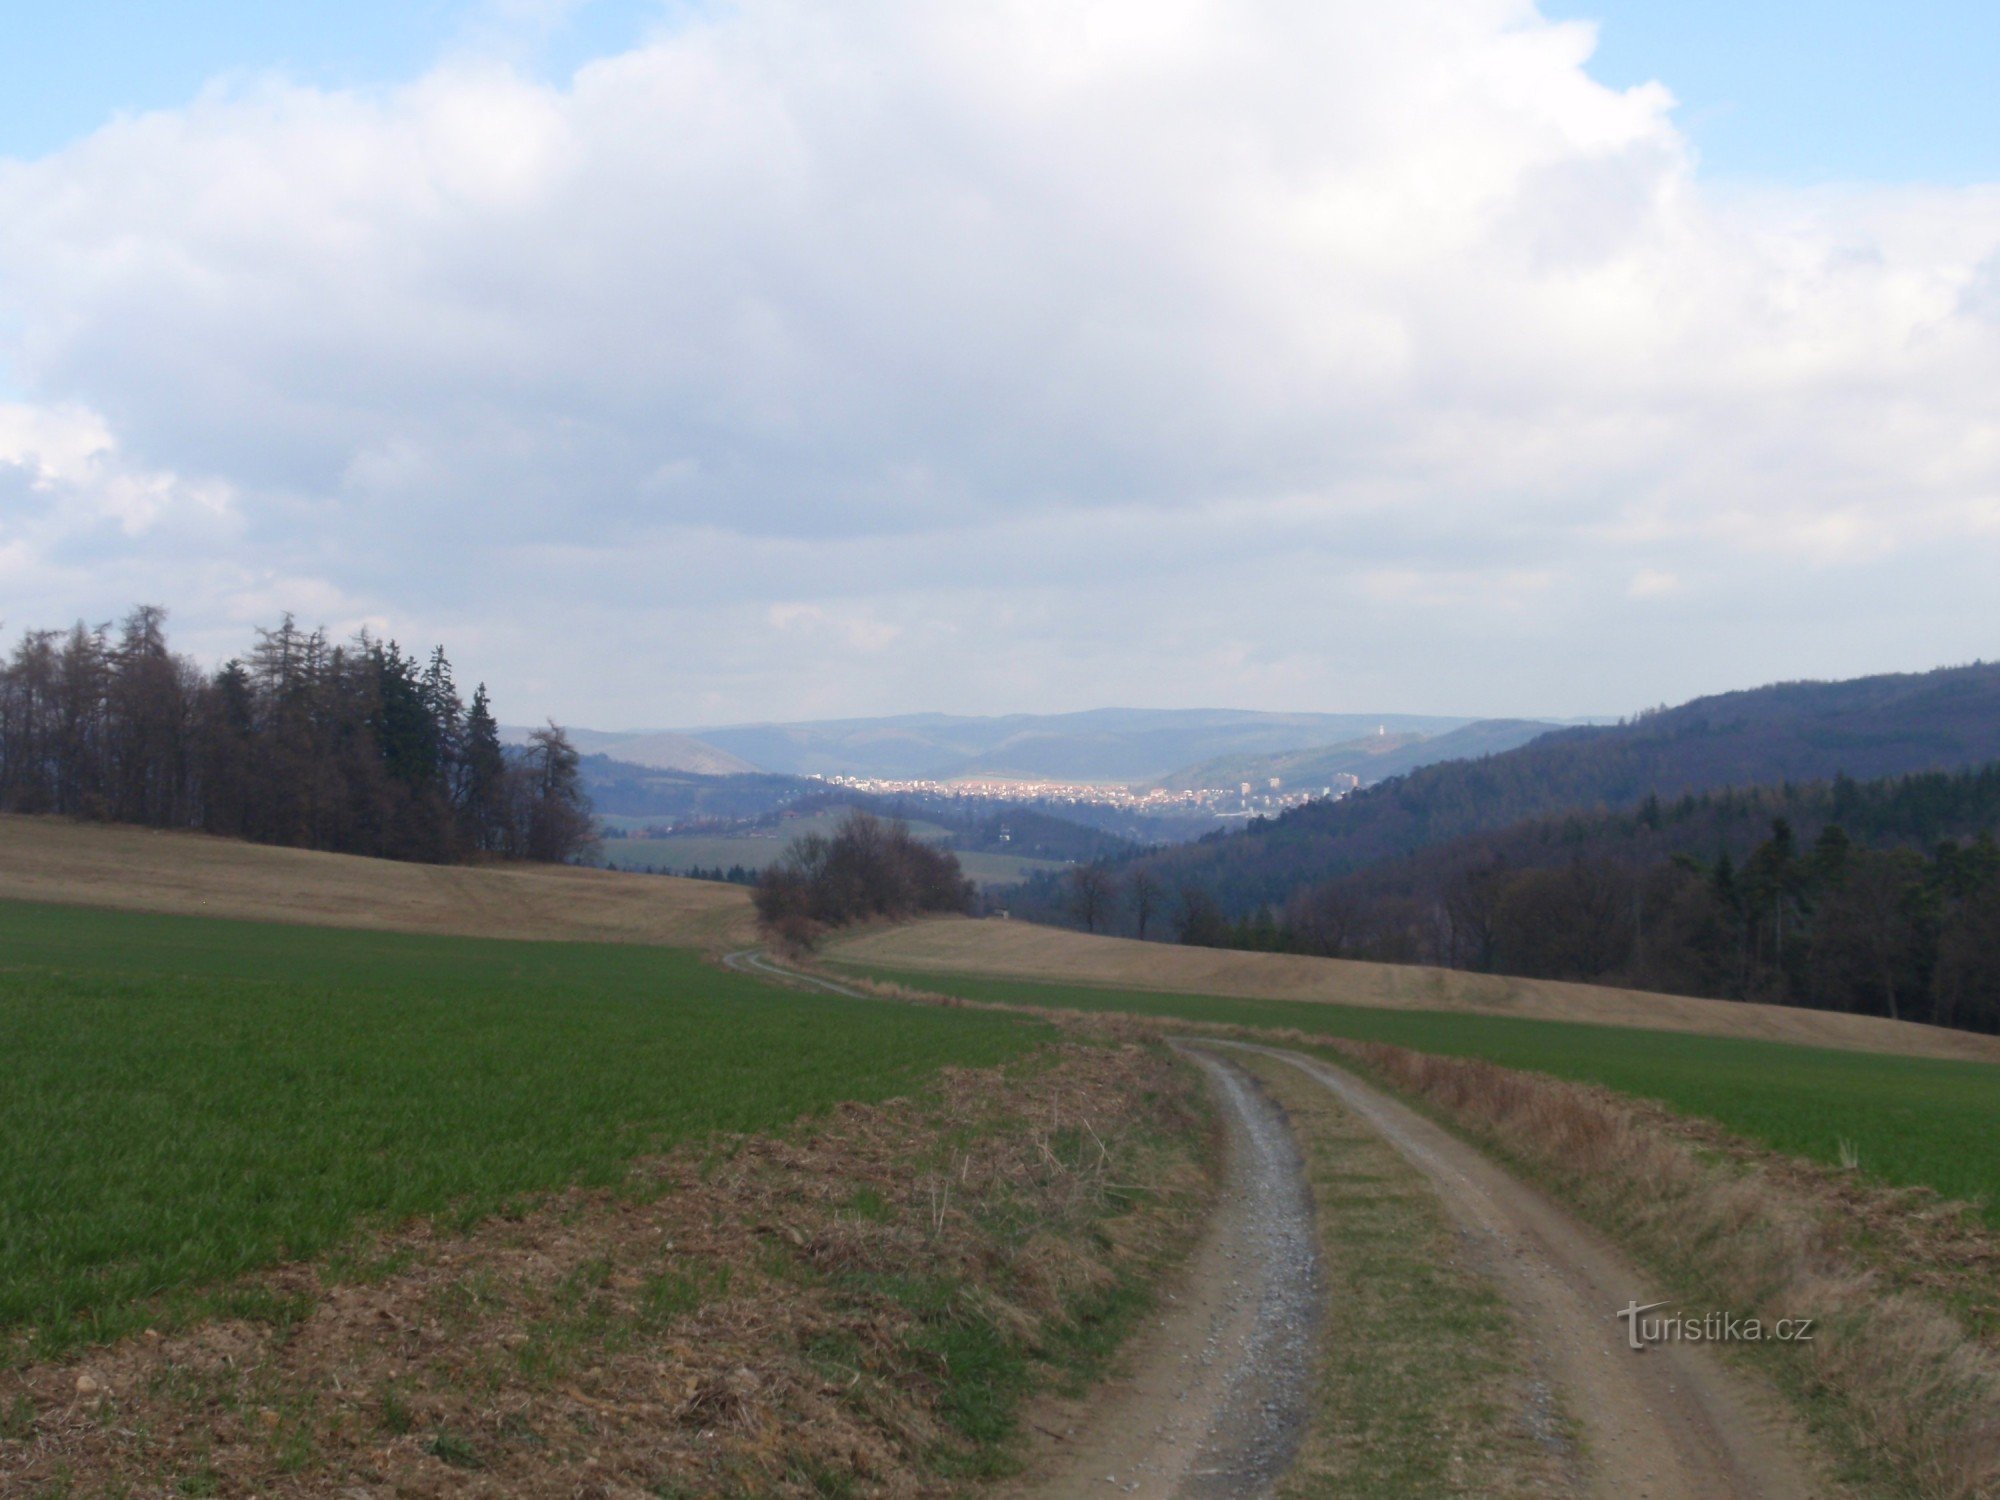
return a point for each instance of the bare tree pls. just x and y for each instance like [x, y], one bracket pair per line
[1146, 893]
[1326, 920]
[1469, 899]
[1093, 890]
[559, 826]
[869, 868]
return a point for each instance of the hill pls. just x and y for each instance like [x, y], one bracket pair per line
[136, 869]
[622, 790]
[963, 945]
[1109, 744]
[1371, 758]
[656, 750]
[1801, 731]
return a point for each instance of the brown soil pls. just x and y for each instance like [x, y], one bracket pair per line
[1021, 950]
[738, 1323]
[137, 869]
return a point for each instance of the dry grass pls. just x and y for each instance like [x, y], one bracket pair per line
[1774, 1239]
[1905, 1284]
[1022, 950]
[1426, 1384]
[136, 869]
[772, 1316]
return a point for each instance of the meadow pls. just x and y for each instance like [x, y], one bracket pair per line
[1913, 1121]
[753, 851]
[188, 1099]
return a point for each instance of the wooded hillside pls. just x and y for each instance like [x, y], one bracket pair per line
[1869, 728]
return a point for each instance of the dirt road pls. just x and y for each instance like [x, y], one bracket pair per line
[1220, 1383]
[1669, 1423]
[755, 961]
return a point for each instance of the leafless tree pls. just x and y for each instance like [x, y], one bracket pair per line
[1326, 920]
[1146, 892]
[1093, 890]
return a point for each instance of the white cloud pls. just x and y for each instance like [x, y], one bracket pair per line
[1051, 353]
[1654, 583]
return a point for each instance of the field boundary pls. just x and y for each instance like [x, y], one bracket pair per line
[1027, 951]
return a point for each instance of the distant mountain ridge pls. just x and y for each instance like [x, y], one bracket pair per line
[1138, 747]
[1372, 758]
[1866, 728]
[657, 750]
[1107, 744]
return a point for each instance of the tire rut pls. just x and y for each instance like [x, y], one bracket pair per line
[1220, 1385]
[1222, 1381]
[1666, 1423]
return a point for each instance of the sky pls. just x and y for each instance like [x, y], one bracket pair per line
[700, 363]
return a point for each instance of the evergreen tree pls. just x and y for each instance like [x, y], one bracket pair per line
[483, 792]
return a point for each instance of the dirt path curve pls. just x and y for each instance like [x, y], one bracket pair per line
[1670, 1423]
[756, 962]
[1221, 1382]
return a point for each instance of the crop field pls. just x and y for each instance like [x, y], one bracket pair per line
[1913, 1121]
[684, 851]
[186, 1099]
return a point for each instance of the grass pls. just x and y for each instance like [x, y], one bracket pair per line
[190, 1099]
[1424, 1377]
[1908, 1121]
[681, 852]
[1903, 1383]
[752, 850]
[684, 851]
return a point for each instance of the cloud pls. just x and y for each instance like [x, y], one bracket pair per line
[1032, 354]
[1654, 583]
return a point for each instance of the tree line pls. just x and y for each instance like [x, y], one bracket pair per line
[356, 747]
[1877, 897]
[868, 868]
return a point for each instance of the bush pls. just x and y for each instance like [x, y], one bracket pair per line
[869, 868]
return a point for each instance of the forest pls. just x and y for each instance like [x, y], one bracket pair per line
[1868, 728]
[1879, 897]
[356, 748]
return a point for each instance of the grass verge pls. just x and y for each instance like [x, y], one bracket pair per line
[1908, 1121]
[1425, 1384]
[1894, 1379]
[855, 1306]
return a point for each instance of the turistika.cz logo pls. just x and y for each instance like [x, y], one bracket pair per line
[1708, 1328]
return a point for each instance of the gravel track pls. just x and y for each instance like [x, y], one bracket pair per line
[1220, 1383]
[1668, 1423]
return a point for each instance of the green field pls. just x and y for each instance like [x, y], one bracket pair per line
[1914, 1120]
[188, 1099]
[686, 851]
